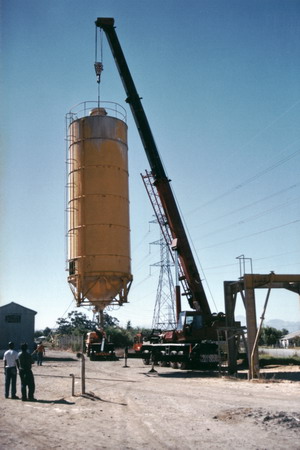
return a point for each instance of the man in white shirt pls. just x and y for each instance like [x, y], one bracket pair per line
[11, 362]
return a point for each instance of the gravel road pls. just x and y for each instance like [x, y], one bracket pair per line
[132, 408]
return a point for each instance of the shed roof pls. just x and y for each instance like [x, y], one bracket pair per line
[291, 335]
[9, 305]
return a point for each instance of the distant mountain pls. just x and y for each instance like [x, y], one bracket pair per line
[279, 324]
[275, 323]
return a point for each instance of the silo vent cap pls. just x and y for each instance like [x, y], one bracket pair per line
[98, 112]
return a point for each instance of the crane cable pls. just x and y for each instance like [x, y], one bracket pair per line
[98, 65]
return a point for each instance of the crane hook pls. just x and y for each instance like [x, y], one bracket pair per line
[98, 69]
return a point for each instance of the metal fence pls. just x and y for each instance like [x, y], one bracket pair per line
[68, 342]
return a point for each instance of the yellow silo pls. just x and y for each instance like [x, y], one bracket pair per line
[98, 233]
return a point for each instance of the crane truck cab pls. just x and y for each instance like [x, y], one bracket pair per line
[192, 326]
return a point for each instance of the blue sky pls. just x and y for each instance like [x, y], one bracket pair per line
[221, 89]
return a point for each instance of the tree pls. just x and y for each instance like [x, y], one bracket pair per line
[38, 333]
[64, 327]
[78, 323]
[124, 337]
[110, 321]
[297, 341]
[46, 332]
[270, 336]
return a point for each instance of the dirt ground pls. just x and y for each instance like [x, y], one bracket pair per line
[130, 408]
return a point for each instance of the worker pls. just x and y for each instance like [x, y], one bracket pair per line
[11, 362]
[40, 351]
[34, 354]
[26, 375]
[100, 333]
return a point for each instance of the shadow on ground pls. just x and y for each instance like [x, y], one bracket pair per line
[187, 374]
[280, 376]
[61, 401]
[62, 358]
[93, 397]
[264, 376]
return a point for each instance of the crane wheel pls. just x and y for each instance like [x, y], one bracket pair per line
[163, 364]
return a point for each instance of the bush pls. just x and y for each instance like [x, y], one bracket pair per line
[120, 337]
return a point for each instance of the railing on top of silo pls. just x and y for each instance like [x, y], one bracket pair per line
[83, 109]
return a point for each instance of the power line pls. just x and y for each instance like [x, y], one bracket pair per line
[252, 234]
[221, 266]
[259, 174]
[142, 240]
[270, 124]
[247, 181]
[251, 218]
[249, 205]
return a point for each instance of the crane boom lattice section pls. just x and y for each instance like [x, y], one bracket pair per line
[154, 197]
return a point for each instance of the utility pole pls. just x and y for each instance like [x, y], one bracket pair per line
[164, 317]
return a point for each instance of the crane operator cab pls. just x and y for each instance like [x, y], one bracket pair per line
[192, 327]
[189, 320]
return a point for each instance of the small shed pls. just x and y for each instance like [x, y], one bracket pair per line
[16, 325]
[289, 340]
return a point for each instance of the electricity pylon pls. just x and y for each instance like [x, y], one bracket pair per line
[164, 317]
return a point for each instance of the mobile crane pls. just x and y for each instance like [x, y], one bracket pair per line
[194, 341]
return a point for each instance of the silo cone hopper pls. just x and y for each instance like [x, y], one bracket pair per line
[98, 233]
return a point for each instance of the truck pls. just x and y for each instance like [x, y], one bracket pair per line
[98, 348]
[199, 337]
[140, 343]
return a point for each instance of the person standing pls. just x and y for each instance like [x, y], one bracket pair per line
[34, 355]
[26, 375]
[11, 363]
[40, 351]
